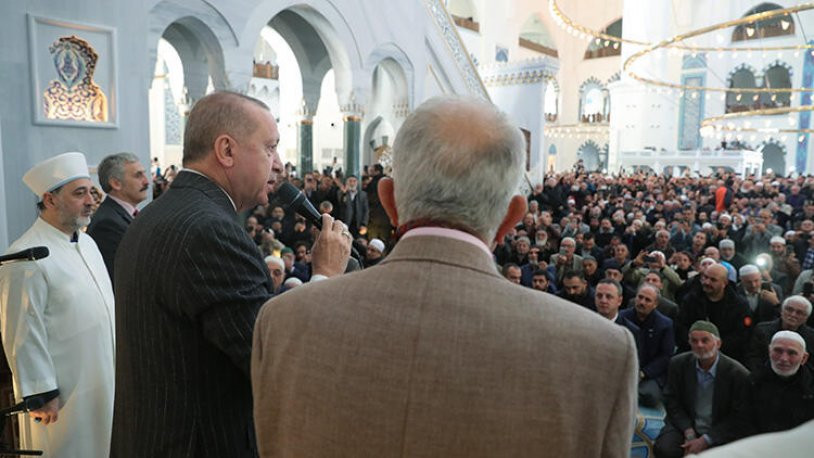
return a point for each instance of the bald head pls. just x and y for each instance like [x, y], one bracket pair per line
[714, 281]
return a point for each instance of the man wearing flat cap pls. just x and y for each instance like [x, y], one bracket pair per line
[704, 396]
[57, 318]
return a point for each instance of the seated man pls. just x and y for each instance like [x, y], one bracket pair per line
[542, 282]
[655, 261]
[667, 307]
[704, 396]
[795, 311]
[566, 260]
[608, 299]
[782, 396]
[575, 289]
[718, 303]
[511, 272]
[763, 297]
[613, 271]
[655, 341]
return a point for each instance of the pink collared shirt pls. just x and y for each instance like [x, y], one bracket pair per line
[448, 233]
[128, 207]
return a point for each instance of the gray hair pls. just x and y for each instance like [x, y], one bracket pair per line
[798, 299]
[112, 167]
[645, 285]
[450, 149]
[221, 112]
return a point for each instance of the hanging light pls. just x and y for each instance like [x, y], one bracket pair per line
[801, 138]
[738, 97]
[785, 24]
[616, 45]
[755, 97]
[750, 31]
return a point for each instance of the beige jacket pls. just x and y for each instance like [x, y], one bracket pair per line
[432, 353]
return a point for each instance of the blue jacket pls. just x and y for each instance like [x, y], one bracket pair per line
[655, 342]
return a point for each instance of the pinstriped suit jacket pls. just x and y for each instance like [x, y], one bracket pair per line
[431, 353]
[189, 283]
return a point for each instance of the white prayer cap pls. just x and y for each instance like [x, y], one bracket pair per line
[55, 172]
[789, 335]
[787, 234]
[292, 282]
[748, 269]
[777, 239]
[378, 245]
[726, 243]
[706, 226]
[725, 215]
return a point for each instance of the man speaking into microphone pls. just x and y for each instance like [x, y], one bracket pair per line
[57, 318]
[189, 283]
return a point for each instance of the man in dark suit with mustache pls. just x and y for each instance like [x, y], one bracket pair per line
[124, 180]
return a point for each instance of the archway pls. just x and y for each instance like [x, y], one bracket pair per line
[743, 77]
[774, 158]
[589, 153]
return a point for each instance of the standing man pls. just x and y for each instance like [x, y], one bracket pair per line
[190, 283]
[424, 371]
[123, 179]
[58, 320]
[354, 207]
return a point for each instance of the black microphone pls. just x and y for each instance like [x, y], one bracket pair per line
[299, 203]
[29, 254]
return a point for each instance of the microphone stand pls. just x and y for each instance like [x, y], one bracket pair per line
[25, 406]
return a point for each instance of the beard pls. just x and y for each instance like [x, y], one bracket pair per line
[704, 355]
[784, 372]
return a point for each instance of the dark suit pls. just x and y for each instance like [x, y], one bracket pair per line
[189, 291]
[354, 212]
[107, 227]
[656, 343]
[728, 403]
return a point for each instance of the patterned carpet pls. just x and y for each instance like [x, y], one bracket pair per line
[649, 422]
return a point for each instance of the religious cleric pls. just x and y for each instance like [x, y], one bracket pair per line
[57, 318]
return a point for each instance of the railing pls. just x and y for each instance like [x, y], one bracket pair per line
[528, 44]
[449, 31]
[267, 71]
[466, 22]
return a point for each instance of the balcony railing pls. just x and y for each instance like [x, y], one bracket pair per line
[466, 22]
[266, 71]
[528, 44]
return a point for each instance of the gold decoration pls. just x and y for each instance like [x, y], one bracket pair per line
[74, 95]
[584, 32]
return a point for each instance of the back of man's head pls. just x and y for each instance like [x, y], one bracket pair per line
[450, 150]
[218, 113]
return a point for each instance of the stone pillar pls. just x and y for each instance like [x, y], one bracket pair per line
[353, 143]
[306, 141]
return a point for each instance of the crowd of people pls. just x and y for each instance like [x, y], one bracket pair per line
[696, 264]
[707, 282]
